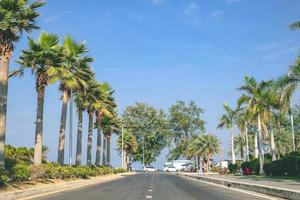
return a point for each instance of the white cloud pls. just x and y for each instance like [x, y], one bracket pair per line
[232, 1]
[191, 8]
[217, 13]
[52, 18]
[158, 1]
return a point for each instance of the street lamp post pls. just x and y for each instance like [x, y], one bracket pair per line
[122, 150]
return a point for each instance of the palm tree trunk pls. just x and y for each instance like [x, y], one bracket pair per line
[3, 104]
[260, 143]
[256, 145]
[90, 139]
[273, 150]
[104, 151]
[232, 146]
[108, 149]
[200, 165]
[125, 160]
[79, 139]
[98, 148]
[62, 130]
[39, 126]
[247, 144]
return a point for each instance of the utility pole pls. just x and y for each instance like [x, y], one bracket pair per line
[71, 130]
[143, 150]
[122, 151]
[292, 118]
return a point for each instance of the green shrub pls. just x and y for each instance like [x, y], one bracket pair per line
[252, 165]
[267, 169]
[21, 172]
[3, 176]
[233, 168]
[119, 170]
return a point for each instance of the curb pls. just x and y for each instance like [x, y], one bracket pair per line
[26, 193]
[272, 191]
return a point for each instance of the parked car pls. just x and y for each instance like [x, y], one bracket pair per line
[150, 169]
[170, 169]
[188, 167]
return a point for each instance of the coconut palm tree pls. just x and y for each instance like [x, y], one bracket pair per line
[104, 106]
[39, 57]
[254, 98]
[204, 146]
[73, 74]
[16, 17]
[295, 25]
[227, 120]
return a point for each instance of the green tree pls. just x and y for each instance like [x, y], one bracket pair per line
[204, 145]
[39, 57]
[130, 146]
[16, 17]
[185, 120]
[227, 120]
[150, 128]
[73, 74]
[254, 98]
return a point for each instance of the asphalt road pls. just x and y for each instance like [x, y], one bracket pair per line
[151, 186]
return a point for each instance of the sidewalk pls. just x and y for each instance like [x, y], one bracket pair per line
[271, 182]
[283, 188]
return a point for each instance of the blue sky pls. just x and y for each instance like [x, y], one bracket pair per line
[158, 51]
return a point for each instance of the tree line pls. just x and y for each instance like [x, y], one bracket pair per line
[52, 60]
[264, 116]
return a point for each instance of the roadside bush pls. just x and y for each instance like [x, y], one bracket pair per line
[37, 172]
[267, 169]
[21, 172]
[233, 168]
[119, 170]
[3, 176]
[251, 167]
[289, 165]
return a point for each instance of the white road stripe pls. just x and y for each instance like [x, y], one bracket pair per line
[150, 190]
[148, 197]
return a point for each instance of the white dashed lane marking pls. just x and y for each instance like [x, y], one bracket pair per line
[148, 197]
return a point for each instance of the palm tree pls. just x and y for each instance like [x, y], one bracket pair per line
[16, 17]
[239, 144]
[73, 74]
[204, 145]
[104, 104]
[40, 56]
[295, 25]
[227, 120]
[254, 98]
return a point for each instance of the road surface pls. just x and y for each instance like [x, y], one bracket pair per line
[151, 186]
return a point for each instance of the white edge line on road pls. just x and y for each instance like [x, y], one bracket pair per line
[238, 190]
[66, 189]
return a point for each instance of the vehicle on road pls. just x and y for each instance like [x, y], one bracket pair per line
[170, 168]
[149, 169]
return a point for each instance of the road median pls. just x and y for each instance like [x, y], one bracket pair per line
[263, 189]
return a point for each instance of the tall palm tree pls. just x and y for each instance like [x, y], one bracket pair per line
[16, 17]
[227, 120]
[295, 25]
[39, 57]
[104, 106]
[254, 98]
[73, 74]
